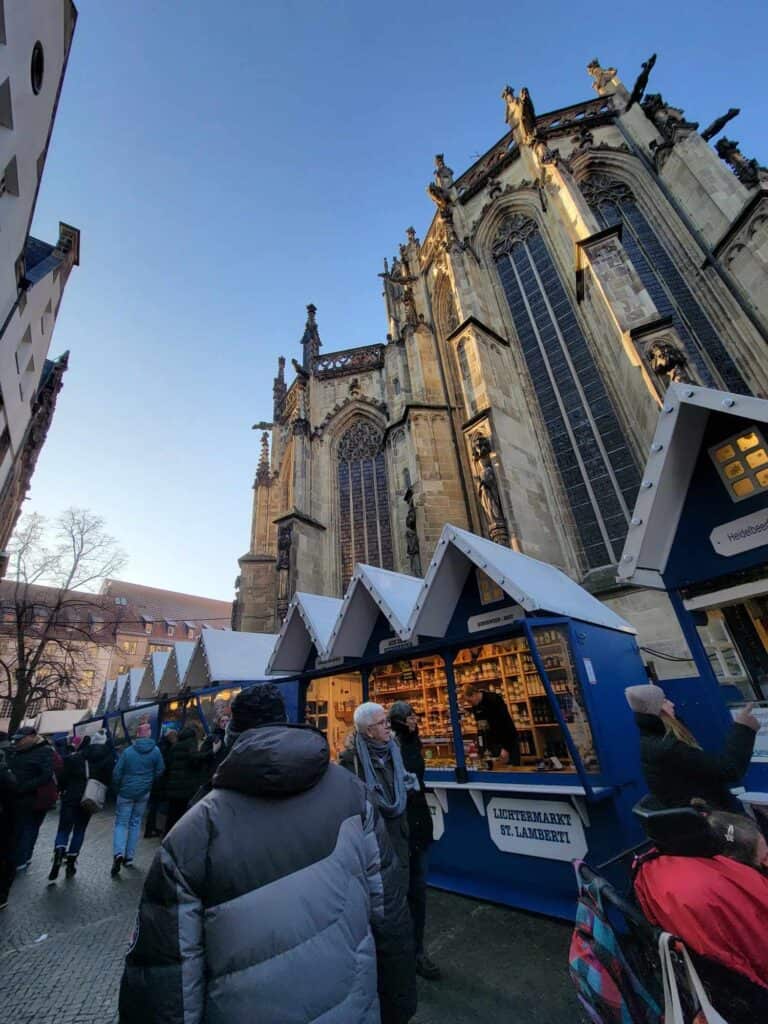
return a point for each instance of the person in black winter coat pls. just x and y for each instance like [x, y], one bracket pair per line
[494, 723]
[272, 896]
[675, 767]
[33, 765]
[406, 729]
[184, 774]
[92, 759]
[7, 823]
[157, 796]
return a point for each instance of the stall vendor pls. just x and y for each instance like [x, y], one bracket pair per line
[494, 723]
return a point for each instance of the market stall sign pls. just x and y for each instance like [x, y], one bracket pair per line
[550, 830]
[741, 534]
[438, 818]
[492, 620]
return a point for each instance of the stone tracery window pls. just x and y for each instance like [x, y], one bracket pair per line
[598, 470]
[364, 527]
[613, 202]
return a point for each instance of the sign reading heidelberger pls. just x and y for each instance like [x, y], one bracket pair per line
[548, 829]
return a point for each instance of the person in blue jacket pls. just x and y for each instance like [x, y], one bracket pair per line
[136, 770]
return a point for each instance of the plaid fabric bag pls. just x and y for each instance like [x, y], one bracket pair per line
[609, 989]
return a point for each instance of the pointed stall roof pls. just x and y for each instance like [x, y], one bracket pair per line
[149, 684]
[372, 591]
[534, 585]
[172, 677]
[130, 692]
[117, 694]
[668, 473]
[229, 657]
[309, 620]
[104, 699]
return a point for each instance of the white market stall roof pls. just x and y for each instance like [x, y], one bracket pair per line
[228, 656]
[674, 451]
[152, 676]
[309, 620]
[170, 681]
[50, 722]
[117, 692]
[416, 607]
[372, 591]
[106, 693]
[130, 691]
[536, 586]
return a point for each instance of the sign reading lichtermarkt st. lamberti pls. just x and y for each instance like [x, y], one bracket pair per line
[741, 534]
[549, 829]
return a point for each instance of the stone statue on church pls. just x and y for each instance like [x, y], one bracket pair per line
[638, 89]
[412, 537]
[284, 539]
[667, 360]
[719, 123]
[520, 113]
[488, 489]
[601, 76]
[443, 174]
[746, 170]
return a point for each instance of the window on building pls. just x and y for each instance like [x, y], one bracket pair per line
[158, 649]
[170, 628]
[596, 466]
[129, 646]
[364, 529]
[37, 67]
[6, 106]
[87, 677]
[613, 202]
[6, 707]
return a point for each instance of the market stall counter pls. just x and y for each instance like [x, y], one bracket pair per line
[517, 676]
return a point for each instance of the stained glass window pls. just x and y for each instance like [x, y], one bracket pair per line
[364, 528]
[614, 203]
[596, 465]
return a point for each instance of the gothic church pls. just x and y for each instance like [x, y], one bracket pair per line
[594, 254]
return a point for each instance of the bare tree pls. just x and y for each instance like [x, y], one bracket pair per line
[51, 624]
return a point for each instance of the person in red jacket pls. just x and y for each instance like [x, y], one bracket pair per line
[718, 905]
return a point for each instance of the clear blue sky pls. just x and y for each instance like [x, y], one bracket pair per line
[229, 162]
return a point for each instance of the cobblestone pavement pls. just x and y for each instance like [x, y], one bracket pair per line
[62, 947]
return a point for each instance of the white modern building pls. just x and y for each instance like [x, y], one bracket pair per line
[35, 41]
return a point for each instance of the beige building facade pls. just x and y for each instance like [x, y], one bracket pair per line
[594, 254]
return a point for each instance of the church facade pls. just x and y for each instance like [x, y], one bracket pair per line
[594, 254]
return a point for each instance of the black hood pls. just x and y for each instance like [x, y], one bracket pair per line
[650, 725]
[274, 760]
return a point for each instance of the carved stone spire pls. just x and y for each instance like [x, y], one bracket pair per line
[748, 171]
[263, 473]
[278, 389]
[310, 342]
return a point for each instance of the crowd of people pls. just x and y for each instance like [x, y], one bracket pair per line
[300, 884]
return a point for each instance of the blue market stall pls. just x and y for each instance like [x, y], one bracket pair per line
[700, 532]
[514, 626]
[194, 683]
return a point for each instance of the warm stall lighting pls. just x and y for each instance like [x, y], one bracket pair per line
[738, 461]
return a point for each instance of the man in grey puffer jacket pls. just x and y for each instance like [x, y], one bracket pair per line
[275, 898]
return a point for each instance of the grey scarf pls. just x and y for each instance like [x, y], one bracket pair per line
[403, 780]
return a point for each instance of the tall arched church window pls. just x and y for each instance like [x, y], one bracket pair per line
[614, 203]
[364, 529]
[596, 465]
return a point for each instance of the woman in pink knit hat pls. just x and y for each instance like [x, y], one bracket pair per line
[675, 767]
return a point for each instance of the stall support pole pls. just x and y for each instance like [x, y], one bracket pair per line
[692, 638]
[554, 703]
[453, 703]
[365, 677]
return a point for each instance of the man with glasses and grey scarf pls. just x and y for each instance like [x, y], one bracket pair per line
[373, 753]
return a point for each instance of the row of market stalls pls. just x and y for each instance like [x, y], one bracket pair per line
[494, 618]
